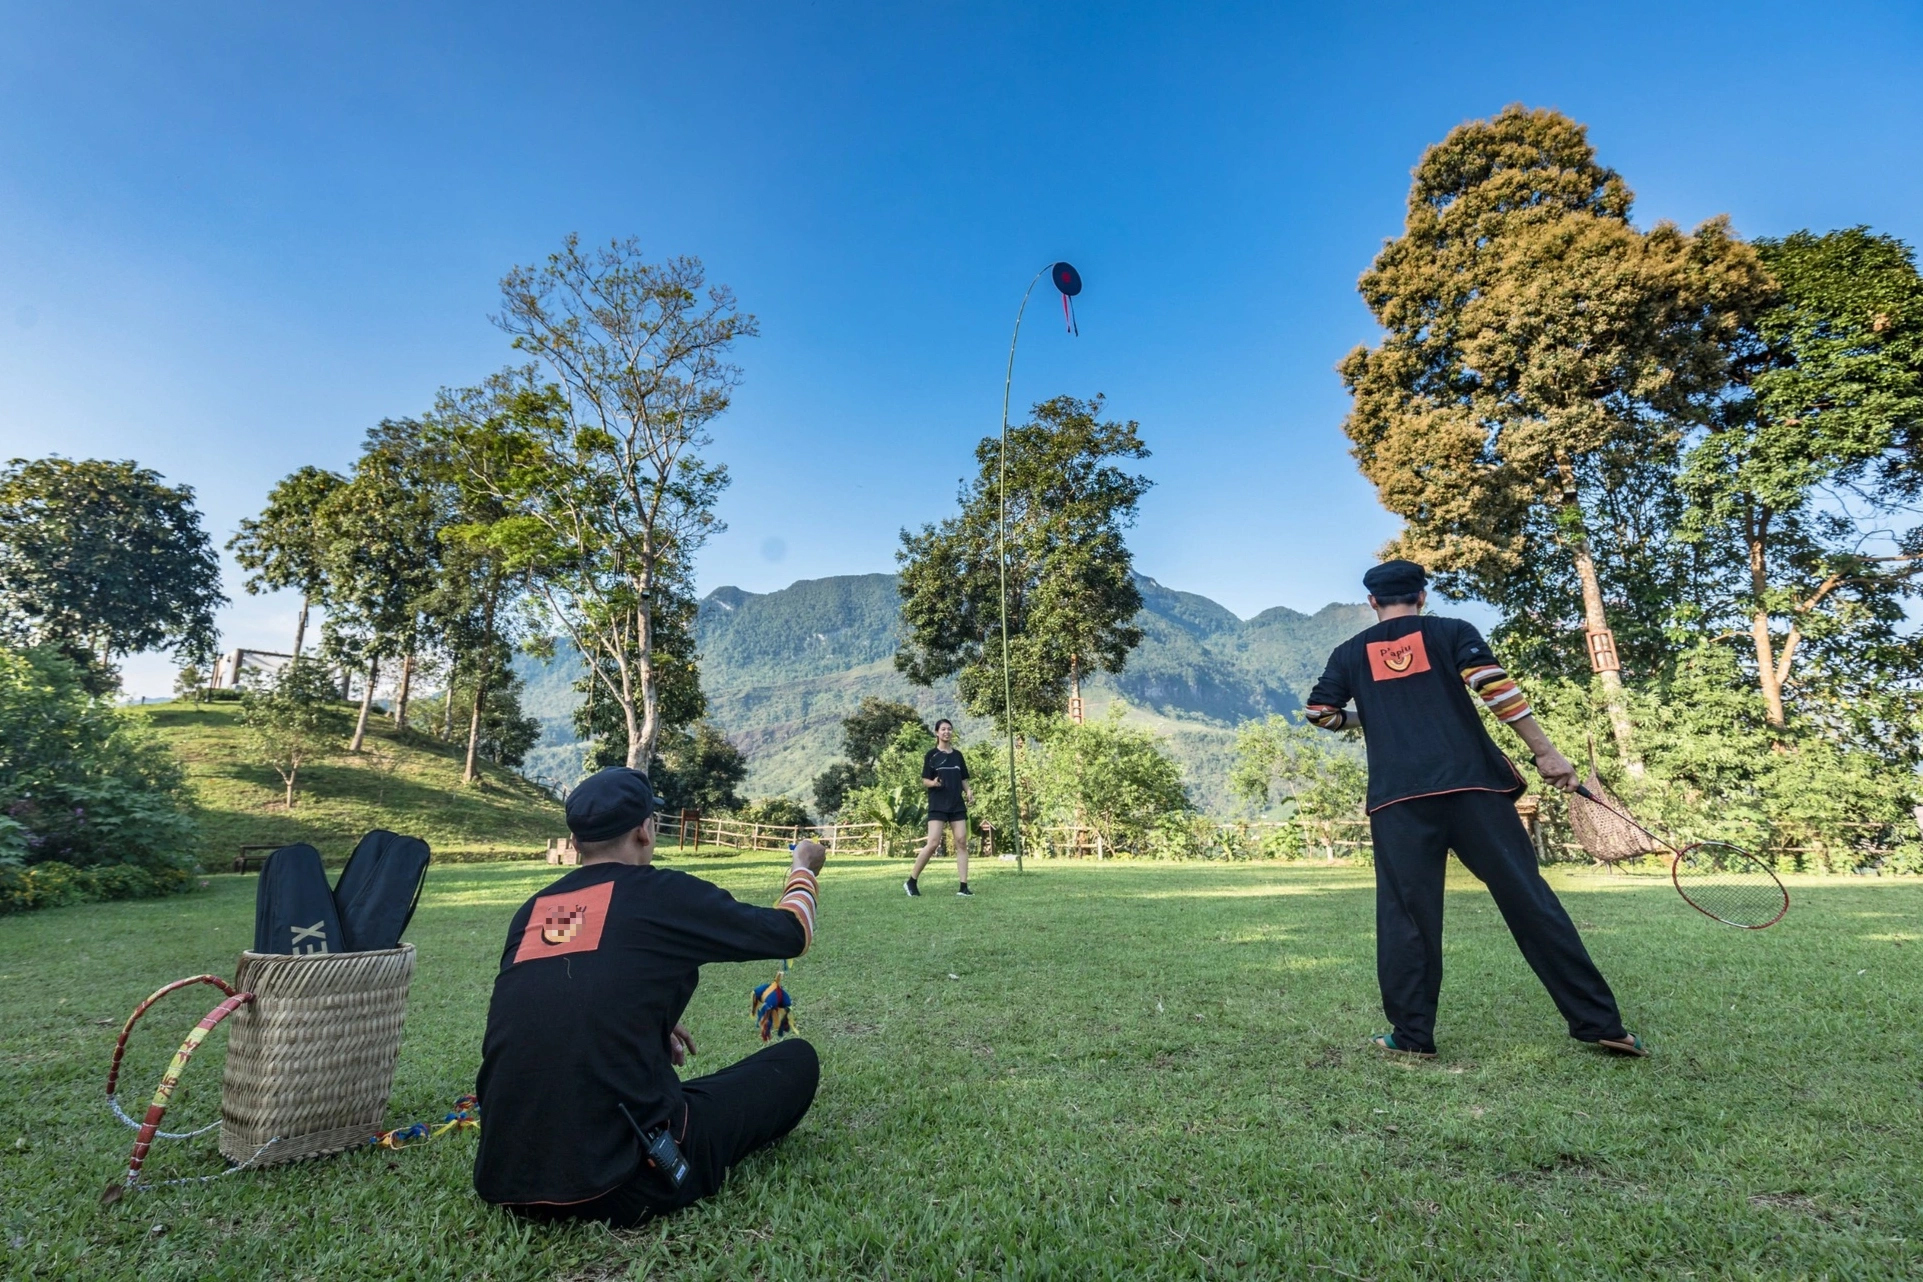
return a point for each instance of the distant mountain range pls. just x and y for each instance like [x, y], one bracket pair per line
[782, 668]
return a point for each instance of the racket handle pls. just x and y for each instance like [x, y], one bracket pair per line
[1586, 794]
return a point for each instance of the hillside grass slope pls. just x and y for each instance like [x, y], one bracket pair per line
[409, 783]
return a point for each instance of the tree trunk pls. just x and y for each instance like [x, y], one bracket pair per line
[1596, 619]
[1612, 681]
[635, 760]
[367, 702]
[1766, 677]
[469, 772]
[290, 784]
[447, 708]
[641, 748]
[300, 628]
[400, 696]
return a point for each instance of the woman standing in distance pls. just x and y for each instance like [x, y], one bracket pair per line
[944, 773]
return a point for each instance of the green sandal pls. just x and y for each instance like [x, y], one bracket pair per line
[1387, 1042]
[1628, 1044]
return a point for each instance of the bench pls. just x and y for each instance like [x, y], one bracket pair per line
[255, 855]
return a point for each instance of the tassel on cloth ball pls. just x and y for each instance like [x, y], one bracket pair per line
[402, 1136]
[773, 1009]
[461, 1118]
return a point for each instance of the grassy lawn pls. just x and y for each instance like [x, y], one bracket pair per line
[410, 783]
[1087, 1071]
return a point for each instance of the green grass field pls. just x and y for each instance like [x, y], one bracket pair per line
[1087, 1071]
[411, 783]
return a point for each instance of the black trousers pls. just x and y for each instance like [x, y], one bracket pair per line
[1412, 843]
[746, 1106]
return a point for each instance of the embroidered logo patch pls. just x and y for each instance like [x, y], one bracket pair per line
[565, 923]
[1402, 657]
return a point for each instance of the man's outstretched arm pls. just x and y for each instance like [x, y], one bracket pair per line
[1326, 702]
[1507, 703]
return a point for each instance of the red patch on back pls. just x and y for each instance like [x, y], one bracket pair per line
[1402, 657]
[565, 923]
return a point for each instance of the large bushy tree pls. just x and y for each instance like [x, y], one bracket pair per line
[595, 450]
[1542, 362]
[1071, 588]
[380, 545]
[1801, 489]
[102, 559]
[285, 546]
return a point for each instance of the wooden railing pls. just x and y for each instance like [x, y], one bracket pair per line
[740, 834]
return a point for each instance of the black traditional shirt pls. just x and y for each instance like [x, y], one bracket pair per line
[950, 768]
[1411, 678]
[597, 970]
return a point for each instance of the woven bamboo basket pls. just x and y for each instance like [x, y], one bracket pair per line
[310, 1061]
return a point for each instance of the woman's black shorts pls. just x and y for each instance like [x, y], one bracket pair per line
[947, 816]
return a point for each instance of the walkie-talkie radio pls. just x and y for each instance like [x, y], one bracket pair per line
[663, 1154]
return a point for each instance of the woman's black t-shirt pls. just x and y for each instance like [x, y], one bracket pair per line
[1419, 721]
[950, 768]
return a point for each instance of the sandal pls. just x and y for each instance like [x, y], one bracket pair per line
[1628, 1044]
[1387, 1042]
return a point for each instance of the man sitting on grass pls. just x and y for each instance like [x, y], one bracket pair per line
[583, 1115]
[1438, 782]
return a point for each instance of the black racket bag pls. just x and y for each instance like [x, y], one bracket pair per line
[380, 888]
[293, 908]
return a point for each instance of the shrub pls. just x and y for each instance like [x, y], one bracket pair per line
[83, 790]
[56, 885]
[292, 719]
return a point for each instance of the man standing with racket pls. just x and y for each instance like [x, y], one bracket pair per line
[1438, 782]
[944, 772]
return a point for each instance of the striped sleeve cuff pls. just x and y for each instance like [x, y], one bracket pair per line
[1498, 691]
[799, 898]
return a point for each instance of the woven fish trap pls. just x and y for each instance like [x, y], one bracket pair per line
[1604, 834]
[310, 1061]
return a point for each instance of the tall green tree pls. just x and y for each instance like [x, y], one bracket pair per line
[865, 735]
[679, 704]
[101, 559]
[1071, 587]
[1800, 491]
[380, 545]
[596, 450]
[1542, 362]
[284, 547]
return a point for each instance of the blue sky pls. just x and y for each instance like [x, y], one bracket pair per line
[232, 236]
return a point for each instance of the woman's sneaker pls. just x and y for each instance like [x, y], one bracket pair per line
[914, 891]
[964, 890]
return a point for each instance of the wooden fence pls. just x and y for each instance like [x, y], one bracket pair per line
[738, 834]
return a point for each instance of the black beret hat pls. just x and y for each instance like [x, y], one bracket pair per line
[1396, 578]
[608, 803]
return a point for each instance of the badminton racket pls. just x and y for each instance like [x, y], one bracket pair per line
[1721, 881]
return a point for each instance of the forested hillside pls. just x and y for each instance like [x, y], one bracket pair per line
[782, 668]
